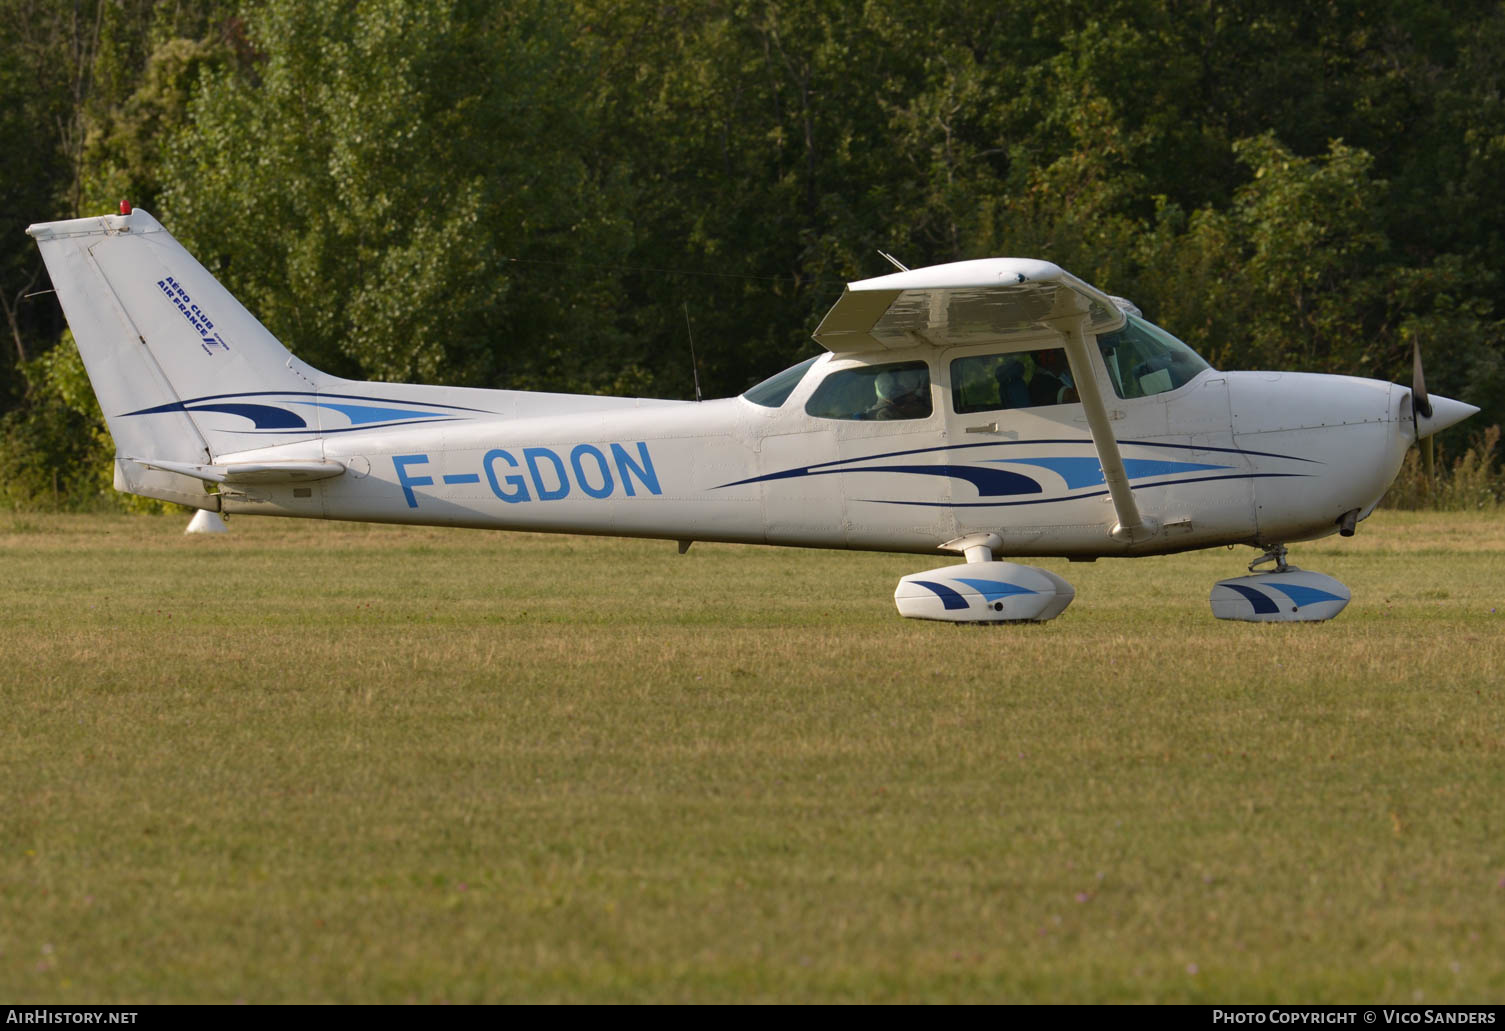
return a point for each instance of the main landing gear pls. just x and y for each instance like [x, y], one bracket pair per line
[1285, 594]
[981, 590]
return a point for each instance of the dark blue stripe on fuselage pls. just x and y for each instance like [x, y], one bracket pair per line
[180, 406]
[990, 483]
[356, 429]
[821, 467]
[808, 470]
[1073, 497]
[263, 417]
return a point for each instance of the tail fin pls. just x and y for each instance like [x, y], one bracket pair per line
[169, 351]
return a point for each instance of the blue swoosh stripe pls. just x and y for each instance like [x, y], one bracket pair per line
[360, 415]
[949, 598]
[1302, 595]
[992, 590]
[358, 429]
[275, 417]
[1075, 497]
[1262, 604]
[1080, 471]
[808, 469]
[179, 406]
[263, 417]
[990, 483]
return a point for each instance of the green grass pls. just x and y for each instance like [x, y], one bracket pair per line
[309, 762]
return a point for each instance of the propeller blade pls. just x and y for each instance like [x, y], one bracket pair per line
[1421, 405]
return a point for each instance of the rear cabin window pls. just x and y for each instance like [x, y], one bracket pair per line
[1023, 379]
[1143, 359]
[899, 390]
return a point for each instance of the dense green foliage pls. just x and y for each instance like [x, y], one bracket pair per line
[533, 194]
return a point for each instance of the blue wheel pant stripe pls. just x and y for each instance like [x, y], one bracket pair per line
[949, 598]
[1304, 595]
[992, 590]
[1262, 604]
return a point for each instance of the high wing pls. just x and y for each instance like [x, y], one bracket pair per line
[966, 302]
[994, 299]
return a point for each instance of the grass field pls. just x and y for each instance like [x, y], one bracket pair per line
[307, 762]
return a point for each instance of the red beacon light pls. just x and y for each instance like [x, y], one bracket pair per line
[125, 207]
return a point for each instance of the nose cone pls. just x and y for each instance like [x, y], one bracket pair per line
[1445, 412]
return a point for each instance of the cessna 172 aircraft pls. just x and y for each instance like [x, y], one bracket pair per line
[999, 407]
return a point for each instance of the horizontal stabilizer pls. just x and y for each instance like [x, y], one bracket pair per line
[252, 472]
[163, 484]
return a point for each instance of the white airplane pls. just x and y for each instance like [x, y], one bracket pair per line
[999, 407]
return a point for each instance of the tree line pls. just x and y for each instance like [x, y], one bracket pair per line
[541, 194]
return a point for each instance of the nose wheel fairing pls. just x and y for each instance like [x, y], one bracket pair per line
[1286, 594]
[1289, 596]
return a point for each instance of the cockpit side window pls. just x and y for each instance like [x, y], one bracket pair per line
[1143, 359]
[1023, 379]
[898, 390]
[775, 390]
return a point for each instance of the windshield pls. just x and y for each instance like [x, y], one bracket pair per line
[1143, 359]
[775, 390]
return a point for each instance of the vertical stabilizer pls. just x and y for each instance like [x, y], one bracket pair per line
[182, 371]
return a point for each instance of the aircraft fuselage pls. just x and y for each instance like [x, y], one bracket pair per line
[1240, 457]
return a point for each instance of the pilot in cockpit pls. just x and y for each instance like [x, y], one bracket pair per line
[1045, 381]
[902, 394]
[1051, 384]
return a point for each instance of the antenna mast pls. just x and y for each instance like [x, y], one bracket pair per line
[694, 365]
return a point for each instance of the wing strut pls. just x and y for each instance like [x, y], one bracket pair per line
[1084, 359]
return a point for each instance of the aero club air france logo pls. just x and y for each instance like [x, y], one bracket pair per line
[209, 340]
